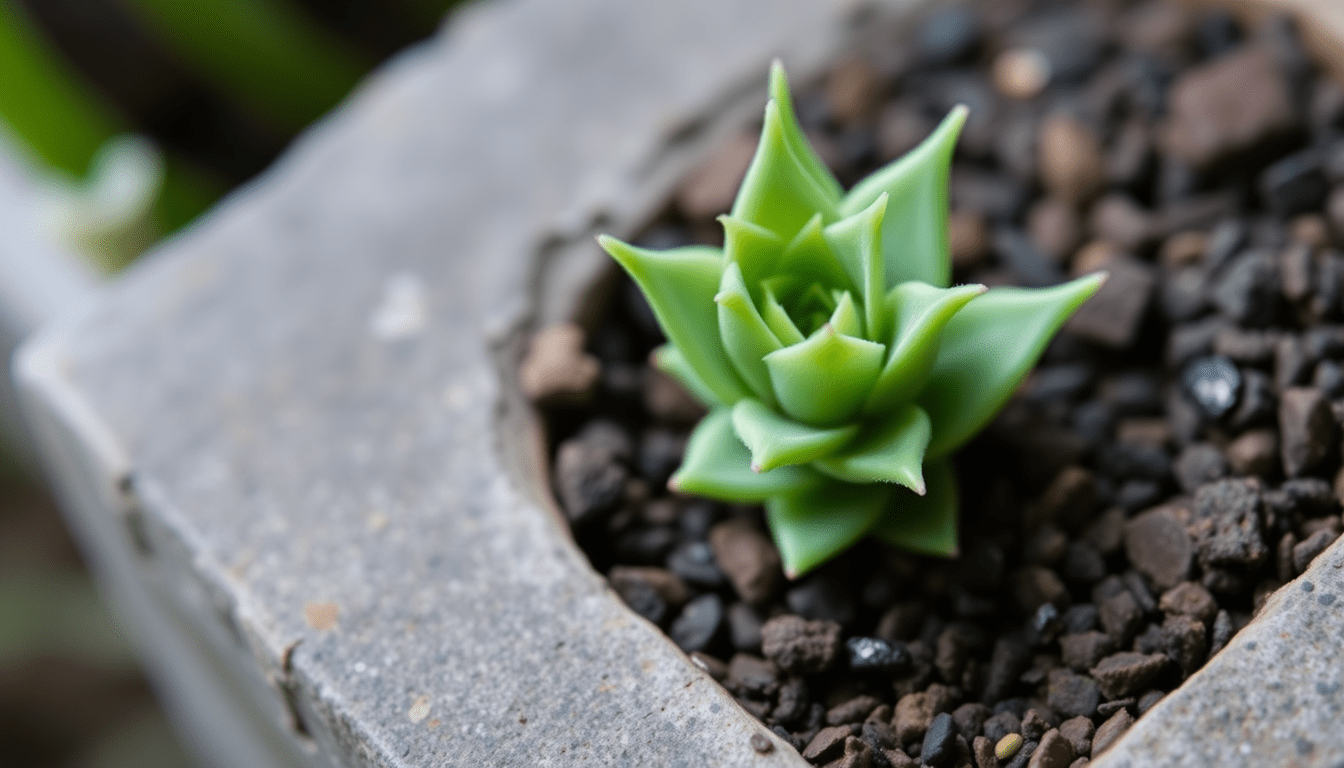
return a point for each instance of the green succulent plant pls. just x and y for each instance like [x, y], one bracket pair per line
[839, 366]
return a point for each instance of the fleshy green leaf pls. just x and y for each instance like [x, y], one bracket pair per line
[775, 441]
[680, 285]
[921, 311]
[717, 464]
[891, 452]
[987, 349]
[809, 258]
[798, 143]
[755, 249]
[778, 319]
[854, 239]
[914, 231]
[926, 524]
[745, 336]
[812, 525]
[669, 360]
[845, 319]
[824, 380]
[781, 190]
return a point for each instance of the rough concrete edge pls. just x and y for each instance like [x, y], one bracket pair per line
[97, 474]
[40, 279]
[77, 417]
[203, 603]
[1176, 719]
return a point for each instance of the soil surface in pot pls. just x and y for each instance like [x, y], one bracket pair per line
[1171, 462]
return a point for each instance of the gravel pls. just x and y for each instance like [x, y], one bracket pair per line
[1173, 459]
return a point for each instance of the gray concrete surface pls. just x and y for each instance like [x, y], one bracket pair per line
[282, 437]
[40, 279]
[1273, 696]
[285, 441]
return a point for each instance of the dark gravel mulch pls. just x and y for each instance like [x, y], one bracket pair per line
[1171, 462]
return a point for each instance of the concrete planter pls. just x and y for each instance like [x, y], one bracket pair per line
[291, 442]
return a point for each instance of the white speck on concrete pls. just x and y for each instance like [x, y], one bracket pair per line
[402, 313]
[457, 397]
[419, 709]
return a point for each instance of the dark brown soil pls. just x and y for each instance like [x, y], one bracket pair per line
[1171, 462]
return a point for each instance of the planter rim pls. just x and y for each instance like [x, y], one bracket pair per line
[296, 500]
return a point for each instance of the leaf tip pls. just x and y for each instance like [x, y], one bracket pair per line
[778, 78]
[674, 484]
[608, 243]
[756, 467]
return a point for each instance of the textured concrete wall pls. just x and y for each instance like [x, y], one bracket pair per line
[284, 440]
[278, 434]
[1273, 696]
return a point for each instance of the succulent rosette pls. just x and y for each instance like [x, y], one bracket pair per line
[840, 367]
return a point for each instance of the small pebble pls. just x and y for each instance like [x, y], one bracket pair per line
[1021, 73]
[939, 741]
[1008, 746]
[556, 369]
[762, 744]
[1213, 383]
[698, 624]
[872, 654]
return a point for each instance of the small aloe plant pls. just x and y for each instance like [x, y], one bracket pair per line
[839, 366]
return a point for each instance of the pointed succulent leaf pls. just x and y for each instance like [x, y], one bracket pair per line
[717, 464]
[753, 248]
[798, 143]
[926, 524]
[846, 319]
[920, 311]
[824, 380]
[680, 285]
[914, 231]
[745, 336]
[812, 525]
[891, 452]
[775, 441]
[669, 360]
[809, 257]
[986, 351]
[781, 191]
[855, 240]
[820, 299]
[836, 363]
[778, 319]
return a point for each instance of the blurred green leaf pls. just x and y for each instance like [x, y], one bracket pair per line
[262, 53]
[58, 613]
[45, 102]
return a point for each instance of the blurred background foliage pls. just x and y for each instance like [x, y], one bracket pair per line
[135, 116]
[218, 87]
